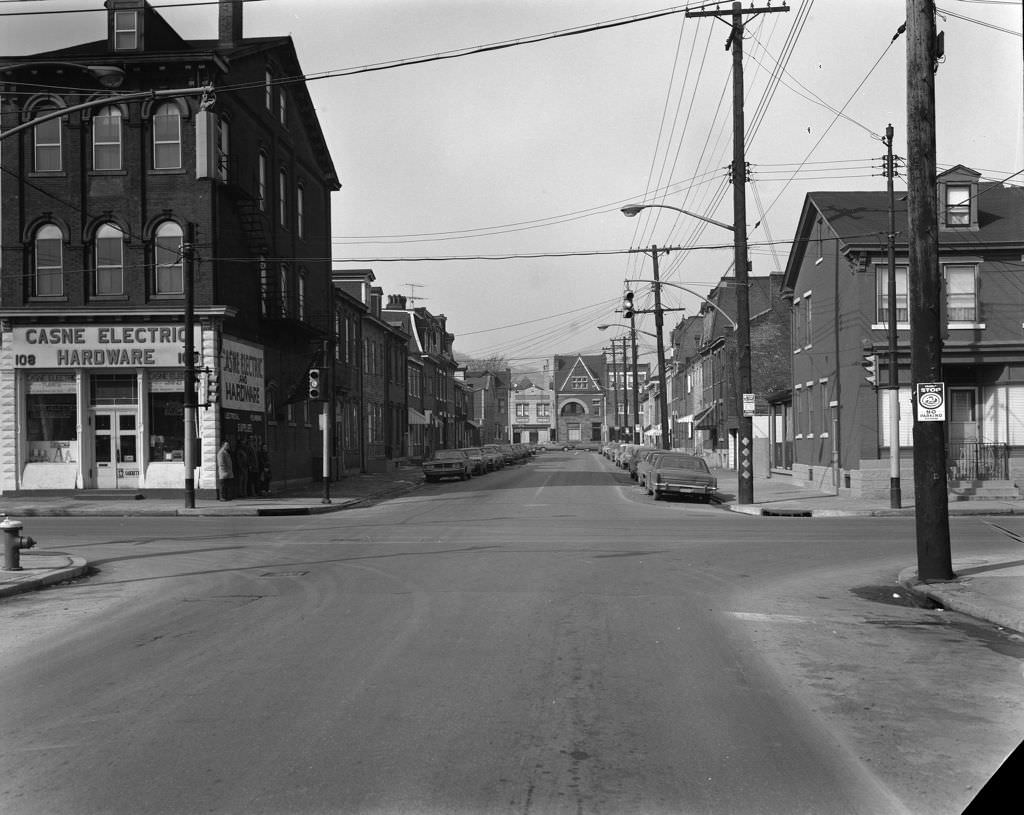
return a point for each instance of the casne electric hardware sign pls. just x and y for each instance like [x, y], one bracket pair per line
[100, 346]
[930, 399]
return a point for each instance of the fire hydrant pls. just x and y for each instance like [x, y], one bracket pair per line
[14, 542]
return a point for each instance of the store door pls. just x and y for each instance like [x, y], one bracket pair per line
[116, 447]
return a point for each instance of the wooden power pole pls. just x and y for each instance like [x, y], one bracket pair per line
[745, 439]
[925, 289]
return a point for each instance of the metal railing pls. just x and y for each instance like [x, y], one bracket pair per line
[978, 461]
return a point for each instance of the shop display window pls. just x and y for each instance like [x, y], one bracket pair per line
[52, 428]
[166, 427]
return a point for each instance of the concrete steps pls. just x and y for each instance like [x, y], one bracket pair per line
[983, 491]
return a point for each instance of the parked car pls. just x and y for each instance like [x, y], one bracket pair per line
[447, 464]
[496, 452]
[478, 463]
[493, 457]
[681, 474]
[622, 452]
[644, 464]
[634, 456]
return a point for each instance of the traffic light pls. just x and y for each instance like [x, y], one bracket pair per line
[870, 363]
[211, 387]
[317, 384]
[627, 305]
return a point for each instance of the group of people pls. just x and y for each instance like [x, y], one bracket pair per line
[244, 470]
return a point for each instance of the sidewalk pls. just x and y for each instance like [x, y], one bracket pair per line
[988, 590]
[40, 567]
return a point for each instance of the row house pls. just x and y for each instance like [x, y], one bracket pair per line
[202, 186]
[382, 351]
[433, 422]
[531, 413]
[838, 276]
[706, 353]
[490, 408]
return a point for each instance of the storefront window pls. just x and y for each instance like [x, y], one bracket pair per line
[52, 422]
[166, 427]
[115, 389]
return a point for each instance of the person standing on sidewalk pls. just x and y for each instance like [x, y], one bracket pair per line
[225, 472]
[241, 468]
[252, 451]
[264, 461]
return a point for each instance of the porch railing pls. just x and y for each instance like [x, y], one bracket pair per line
[978, 461]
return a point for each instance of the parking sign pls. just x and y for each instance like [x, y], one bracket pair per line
[931, 401]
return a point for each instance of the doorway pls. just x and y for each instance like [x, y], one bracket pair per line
[116, 448]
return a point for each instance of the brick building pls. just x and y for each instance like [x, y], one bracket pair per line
[97, 205]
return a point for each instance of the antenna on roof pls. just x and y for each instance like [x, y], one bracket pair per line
[412, 298]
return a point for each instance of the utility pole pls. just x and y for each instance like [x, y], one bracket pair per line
[925, 289]
[188, 260]
[659, 320]
[625, 394]
[745, 440]
[615, 398]
[895, 492]
[636, 384]
[326, 416]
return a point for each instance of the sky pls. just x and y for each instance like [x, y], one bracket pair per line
[488, 186]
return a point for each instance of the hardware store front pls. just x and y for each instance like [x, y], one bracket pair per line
[94, 407]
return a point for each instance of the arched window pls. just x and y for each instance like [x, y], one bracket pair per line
[170, 278]
[48, 152]
[167, 137]
[106, 139]
[109, 260]
[48, 280]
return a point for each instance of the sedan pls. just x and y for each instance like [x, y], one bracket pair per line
[479, 465]
[447, 464]
[680, 474]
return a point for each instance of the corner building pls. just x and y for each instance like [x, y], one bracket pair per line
[171, 150]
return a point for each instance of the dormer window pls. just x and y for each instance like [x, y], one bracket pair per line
[126, 30]
[958, 205]
[958, 198]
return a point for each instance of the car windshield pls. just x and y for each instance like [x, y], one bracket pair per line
[449, 454]
[682, 463]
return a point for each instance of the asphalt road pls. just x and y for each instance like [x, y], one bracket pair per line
[545, 639]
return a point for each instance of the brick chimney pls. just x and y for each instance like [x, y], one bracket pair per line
[376, 296]
[230, 23]
[396, 302]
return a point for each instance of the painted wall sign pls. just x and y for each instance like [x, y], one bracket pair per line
[100, 346]
[241, 376]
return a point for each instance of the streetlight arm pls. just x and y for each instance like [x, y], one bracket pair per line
[635, 209]
[623, 325]
[717, 308]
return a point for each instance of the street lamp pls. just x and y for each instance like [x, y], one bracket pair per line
[745, 469]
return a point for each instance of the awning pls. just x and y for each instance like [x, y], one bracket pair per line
[705, 419]
[684, 419]
[415, 417]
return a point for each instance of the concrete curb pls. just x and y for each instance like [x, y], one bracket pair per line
[954, 595]
[37, 578]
